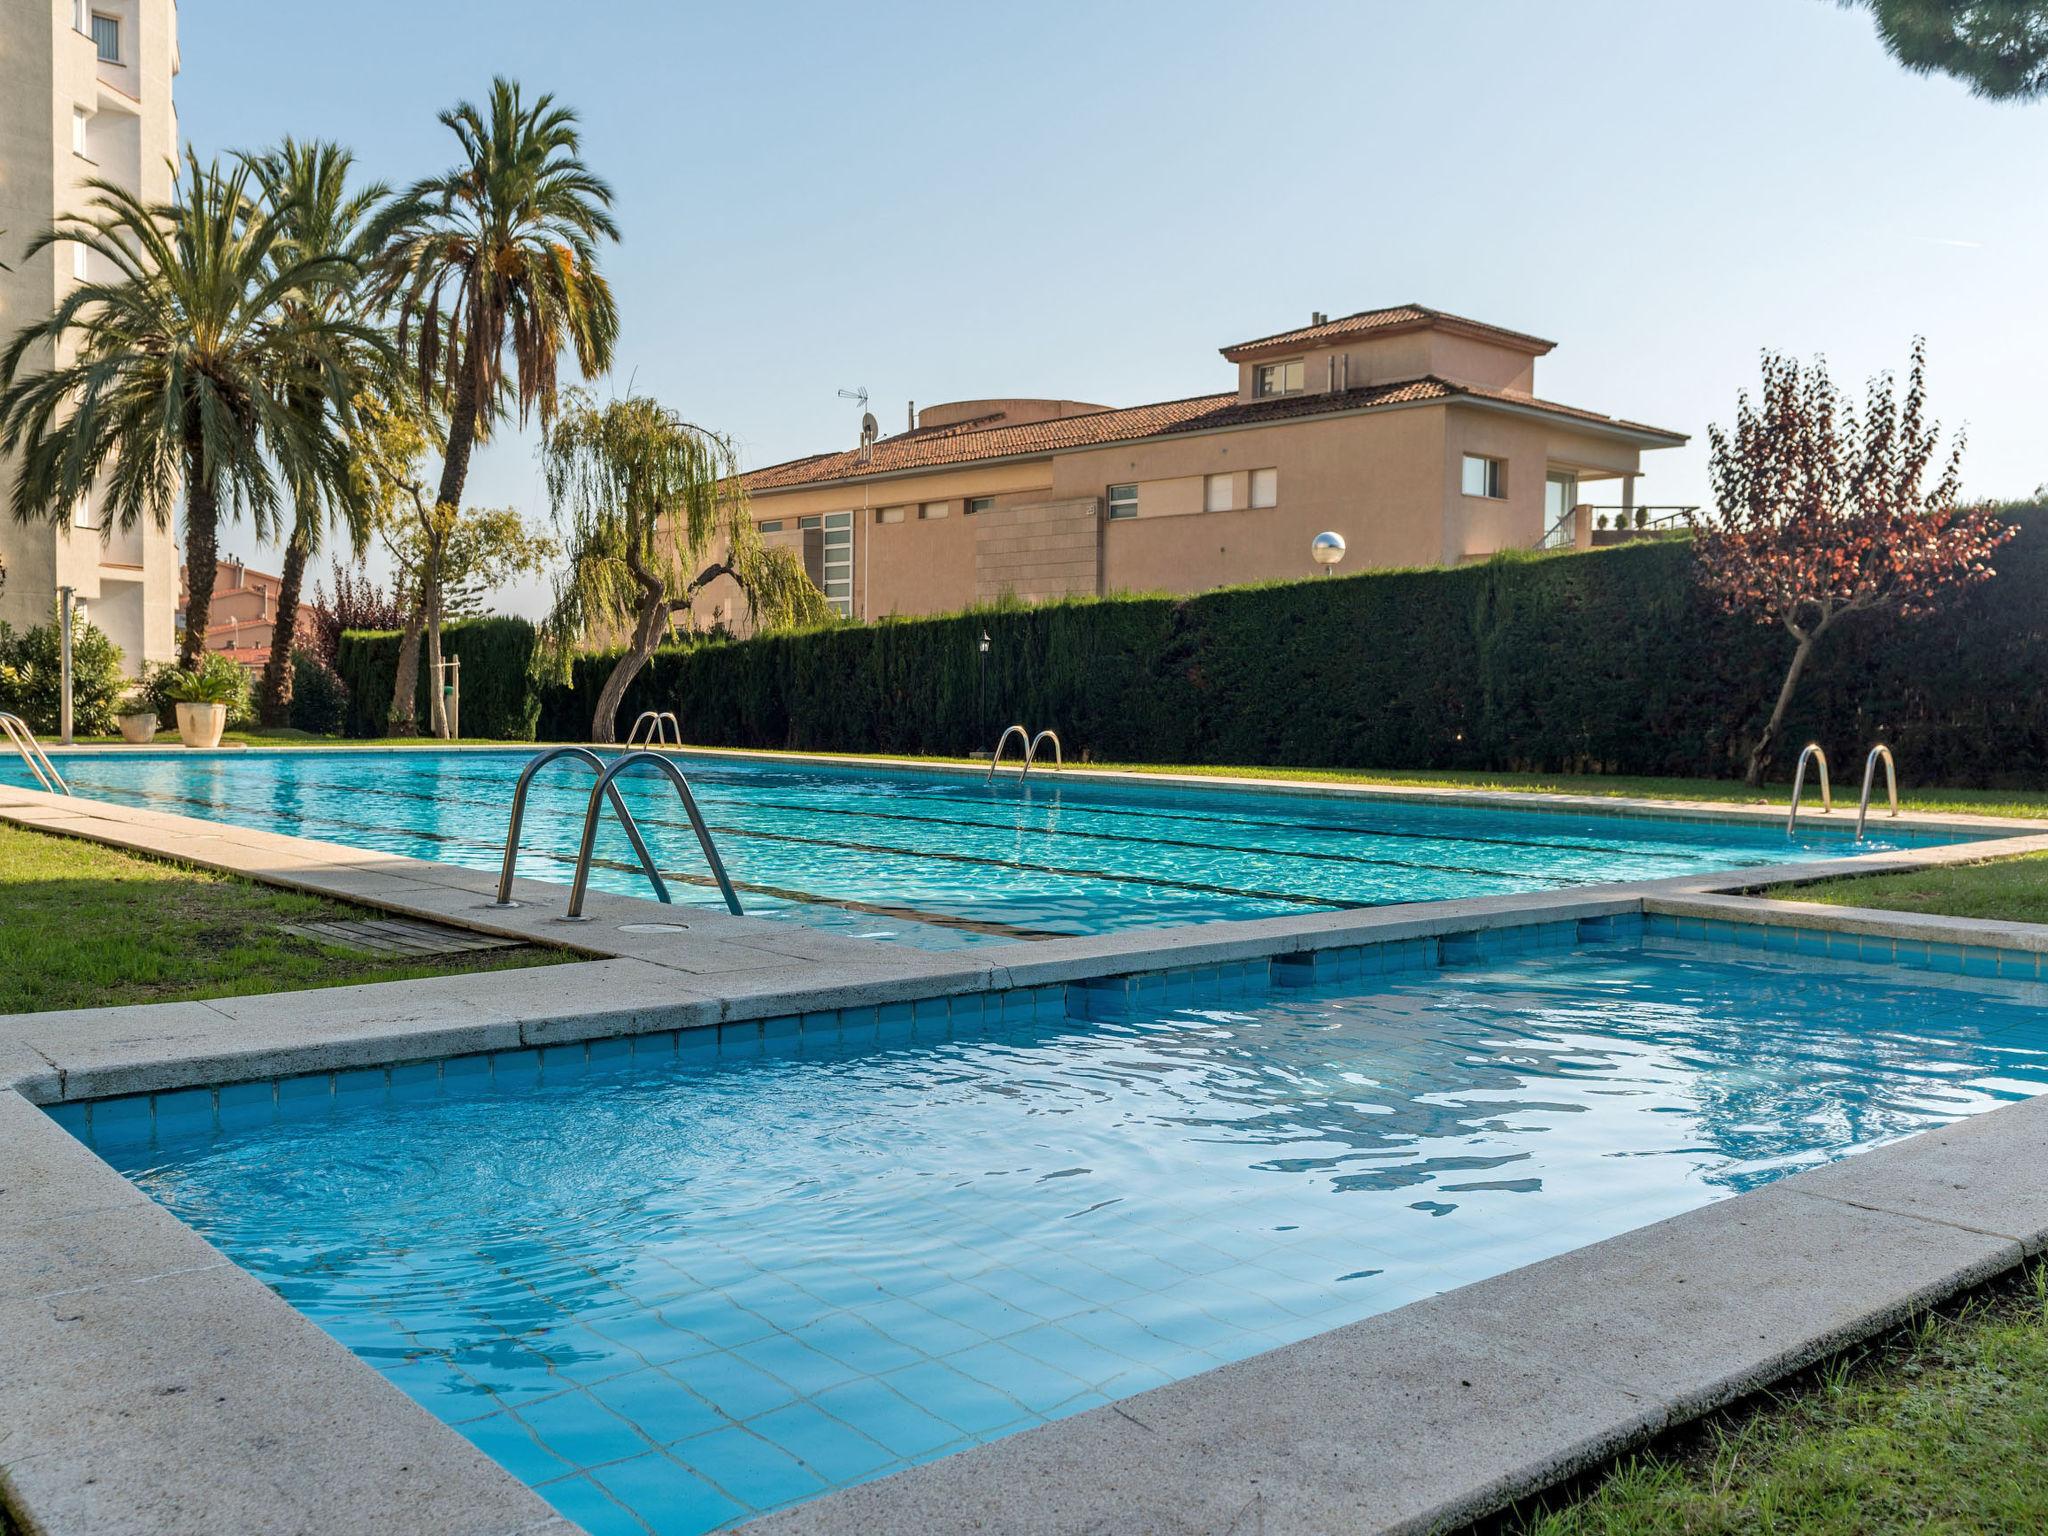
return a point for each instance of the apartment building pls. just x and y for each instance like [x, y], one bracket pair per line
[243, 614]
[85, 91]
[1417, 435]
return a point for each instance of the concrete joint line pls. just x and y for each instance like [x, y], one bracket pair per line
[2022, 1248]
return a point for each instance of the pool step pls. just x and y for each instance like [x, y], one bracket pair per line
[398, 936]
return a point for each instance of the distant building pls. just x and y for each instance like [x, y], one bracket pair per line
[85, 91]
[1415, 434]
[244, 613]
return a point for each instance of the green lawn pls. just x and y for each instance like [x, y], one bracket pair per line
[83, 926]
[1942, 1428]
[2013, 889]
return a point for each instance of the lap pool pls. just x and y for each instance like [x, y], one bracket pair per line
[940, 859]
[674, 1281]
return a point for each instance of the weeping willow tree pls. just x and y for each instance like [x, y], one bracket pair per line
[652, 512]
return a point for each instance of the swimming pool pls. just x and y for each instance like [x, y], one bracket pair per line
[941, 859]
[673, 1281]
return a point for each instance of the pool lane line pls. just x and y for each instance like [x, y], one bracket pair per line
[850, 904]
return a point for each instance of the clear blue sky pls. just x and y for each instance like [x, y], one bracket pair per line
[939, 201]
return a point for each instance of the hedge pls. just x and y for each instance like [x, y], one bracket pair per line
[498, 699]
[1610, 661]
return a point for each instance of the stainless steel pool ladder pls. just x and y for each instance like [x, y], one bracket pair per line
[1031, 745]
[604, 784]
[596, 765]
[32, 753]
[1891, 784]
[656, 721]
[1810, 753]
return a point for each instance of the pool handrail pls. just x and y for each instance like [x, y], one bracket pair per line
[596, 765]
[1031, 752]
[1811, 752]
[16, 730]
[589, 843]
[655, 721]
[1891, 784]
[1023, 736]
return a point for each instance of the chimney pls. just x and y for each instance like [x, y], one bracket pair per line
[913, 417]
[1317, 317]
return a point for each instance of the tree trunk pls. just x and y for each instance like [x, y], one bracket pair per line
[202, 545]
[403, 717]
[437, 679]
[276, 705]
[604, 724]
[1760, 756]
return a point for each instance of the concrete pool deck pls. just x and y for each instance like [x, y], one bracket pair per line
[147, 1384]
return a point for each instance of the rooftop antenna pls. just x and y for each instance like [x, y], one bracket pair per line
[870, 429]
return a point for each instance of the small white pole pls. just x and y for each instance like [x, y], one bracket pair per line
[455, 698]
[64, 600]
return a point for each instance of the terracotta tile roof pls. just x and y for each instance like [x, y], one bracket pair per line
[1172, 418]
[1398, 317]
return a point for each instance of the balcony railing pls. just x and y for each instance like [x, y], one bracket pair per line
[1588, 526]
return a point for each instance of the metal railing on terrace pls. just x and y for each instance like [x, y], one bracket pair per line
[1589, 526]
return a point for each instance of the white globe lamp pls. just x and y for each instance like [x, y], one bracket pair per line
[1327, 549]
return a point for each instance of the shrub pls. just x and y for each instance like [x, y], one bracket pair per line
[218, 679]
[31, 675]
[319, 696]
[498, 698]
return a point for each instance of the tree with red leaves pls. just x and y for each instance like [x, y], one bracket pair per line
[1819, 516]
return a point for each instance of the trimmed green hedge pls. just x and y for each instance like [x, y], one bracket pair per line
[1610, 661]
[498, 699]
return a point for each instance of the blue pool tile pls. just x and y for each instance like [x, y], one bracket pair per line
[855, 1343]
[608, 1054]
[412, 1080]
[885, 1415]
[502, 1437]
[363, 1085]
[757, 1472]
[893, 1022]
[2018, 964]
[1810, 941]
[310, 1093]
[672, 1499]
[973, 1407]
[806, 1369]
[577, 1427]
[1980, 961]
[929, 1016]
[183, 1112]
[662, 1408]
[247, 1104]
[736, 1388]
[917, 1327]
[517, 1070]
[835, 1451]
[464, 1073]
[1038, 1387]
[740, 1039]
[695, 1047]
[72, 1117]
[581, 1500]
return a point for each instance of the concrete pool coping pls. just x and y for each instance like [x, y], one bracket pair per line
[1513, 1383]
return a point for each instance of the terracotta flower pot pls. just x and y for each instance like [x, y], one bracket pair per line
[139, 728]
[200, 725]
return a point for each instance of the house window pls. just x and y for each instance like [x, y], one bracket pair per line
[1123, 502]
[1265, 487]
[1288, 378]
[828, 557]
[933, 509]
[106, 37]
[1485, 477]
[1216, 493]
[980, 504]
[79, 118]
[773, 525]
[78, 255]
[888, 514]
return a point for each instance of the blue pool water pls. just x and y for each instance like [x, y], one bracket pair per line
[676, 1281]
[940, 859]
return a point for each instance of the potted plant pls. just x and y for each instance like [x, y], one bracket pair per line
[136, 715]
[202, 698]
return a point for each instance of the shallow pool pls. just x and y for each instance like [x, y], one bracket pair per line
[676, 1281]
[940, 859]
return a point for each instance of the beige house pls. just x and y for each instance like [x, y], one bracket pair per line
[85, 91]
[1415, 434]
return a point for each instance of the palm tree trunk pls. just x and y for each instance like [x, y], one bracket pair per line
[202, 545]
[276, 705]
[1760, 755]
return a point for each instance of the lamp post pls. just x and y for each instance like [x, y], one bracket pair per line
[65, 598]
[981, 688]
[1326, 549]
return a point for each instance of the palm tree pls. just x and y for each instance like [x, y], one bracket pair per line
[306, 187]
[493, 267]
[179, 369]
[654, 512]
